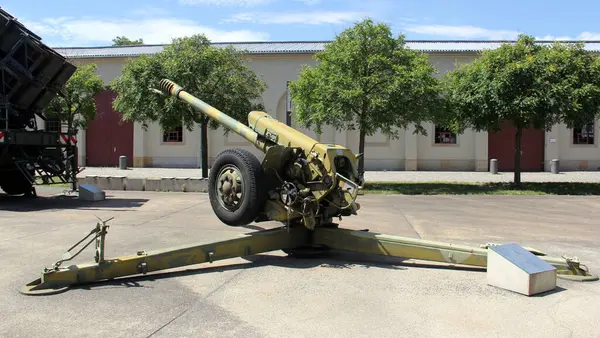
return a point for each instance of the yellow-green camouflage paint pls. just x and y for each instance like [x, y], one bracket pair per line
[277, 239]
[230, 123]
[420, 249]
[145, 262]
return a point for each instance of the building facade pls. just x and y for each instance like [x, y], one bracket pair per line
[107, 137]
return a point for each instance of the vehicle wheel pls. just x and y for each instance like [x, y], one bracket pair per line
[16, 184]
[236, 187]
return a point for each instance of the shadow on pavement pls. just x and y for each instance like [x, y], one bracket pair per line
[331, 259]
[496, 188]
[549, 293]
[57, 202]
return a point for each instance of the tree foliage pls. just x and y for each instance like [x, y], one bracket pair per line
[75, 104]
[218, 76]
[124, 41]
[367, 79]
[526, 83]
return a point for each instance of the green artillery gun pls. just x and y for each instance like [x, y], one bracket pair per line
[300, 180]
[301, 183]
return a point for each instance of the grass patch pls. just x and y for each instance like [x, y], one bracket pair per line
[454, 188]
[40, 182]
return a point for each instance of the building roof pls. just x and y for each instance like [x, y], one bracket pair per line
[297, 47]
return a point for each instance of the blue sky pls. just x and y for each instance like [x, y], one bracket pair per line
[94, 23]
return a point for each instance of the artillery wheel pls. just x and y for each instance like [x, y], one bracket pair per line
[236, 187]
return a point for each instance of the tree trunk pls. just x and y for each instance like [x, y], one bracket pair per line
[517, 169]
[361, 150]
[204, 147]
[71, 153]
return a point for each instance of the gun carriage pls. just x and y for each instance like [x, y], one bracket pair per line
[301, 183]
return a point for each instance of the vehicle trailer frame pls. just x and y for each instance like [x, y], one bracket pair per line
[40, 157]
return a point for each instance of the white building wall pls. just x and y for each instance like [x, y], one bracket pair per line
[408, 152]
[559, 145]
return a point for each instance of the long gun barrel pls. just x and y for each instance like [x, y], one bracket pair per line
[170, 87]
[263, 131]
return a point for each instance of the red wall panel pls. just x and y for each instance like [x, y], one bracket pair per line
[501, 146]
[108, 137]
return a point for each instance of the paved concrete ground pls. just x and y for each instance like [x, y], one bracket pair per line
[389, 176]
[274, 296]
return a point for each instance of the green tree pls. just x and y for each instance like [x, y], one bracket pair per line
[124, 41]
[219, 76]
[367, 79]
[526, 83]
[75, 103]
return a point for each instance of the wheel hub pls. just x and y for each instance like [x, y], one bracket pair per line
[229, 187]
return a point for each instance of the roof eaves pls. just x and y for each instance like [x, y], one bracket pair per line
[290, 47]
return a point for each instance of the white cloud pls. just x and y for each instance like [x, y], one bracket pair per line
[405, 19]
[589, 36]
[150, 11]
[240, 3]
[309, 2]
[473, 32]
[308, 18]
[463, 32]
[583, 36]
[551, 37]
[83, 32]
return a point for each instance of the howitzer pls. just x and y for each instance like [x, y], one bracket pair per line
[300, 180]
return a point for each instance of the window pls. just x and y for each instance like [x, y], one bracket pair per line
[174, 135]
[444, 136]
[584, 135]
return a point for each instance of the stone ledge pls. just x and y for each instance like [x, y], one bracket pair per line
[164, 184]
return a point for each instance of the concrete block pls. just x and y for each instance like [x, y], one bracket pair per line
[134, 184]
[197, 185]
[116, 183]
[91, 179]
[102, 182]
[167, 184]
[181, 184]
[153, 184]
[513, 268]
[89, 192]
[84, 180]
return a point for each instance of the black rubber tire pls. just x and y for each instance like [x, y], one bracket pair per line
[254, 196]
[14, 183]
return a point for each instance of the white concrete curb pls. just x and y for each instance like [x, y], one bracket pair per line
[173, 184]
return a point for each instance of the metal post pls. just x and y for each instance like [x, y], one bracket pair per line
[74, 153]
[555, 166]
[288, 105]
[122, 162]
[494, 166]
[204, 146]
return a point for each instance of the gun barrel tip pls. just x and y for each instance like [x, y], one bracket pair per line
[167, 85]
[157, 91]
